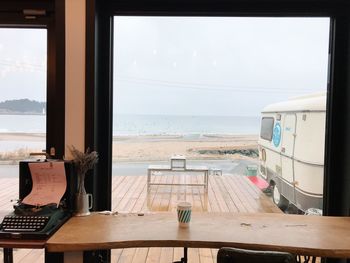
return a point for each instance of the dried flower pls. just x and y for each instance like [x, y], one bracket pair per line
[83, 162]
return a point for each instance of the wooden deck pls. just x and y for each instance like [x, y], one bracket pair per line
[226, 194]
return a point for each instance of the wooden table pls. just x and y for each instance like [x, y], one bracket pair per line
[168, 168]
[304, 235]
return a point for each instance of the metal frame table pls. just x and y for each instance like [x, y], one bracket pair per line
[167, 168]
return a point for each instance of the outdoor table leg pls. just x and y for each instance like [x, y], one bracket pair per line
[148, 179]
[206, 176]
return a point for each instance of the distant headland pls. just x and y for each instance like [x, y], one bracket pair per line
[22, 106]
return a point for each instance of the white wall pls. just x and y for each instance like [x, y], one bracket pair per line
[75, 75]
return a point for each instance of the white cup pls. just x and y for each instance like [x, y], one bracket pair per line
[184, 211]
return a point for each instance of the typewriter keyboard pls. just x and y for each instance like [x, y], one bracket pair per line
[24, 223]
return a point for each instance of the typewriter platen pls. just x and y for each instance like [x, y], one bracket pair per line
[33, 222]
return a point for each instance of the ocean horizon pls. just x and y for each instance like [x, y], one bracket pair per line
[137, 124]
[190, 127]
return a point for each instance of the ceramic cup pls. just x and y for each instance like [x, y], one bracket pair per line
[83, 202]
[184, 210]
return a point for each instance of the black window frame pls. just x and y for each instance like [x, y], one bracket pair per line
[12, 16]
[100, 83]
[99, 88]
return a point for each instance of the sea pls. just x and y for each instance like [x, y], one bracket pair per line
[127, 124]
[184, 125]
[134, 125]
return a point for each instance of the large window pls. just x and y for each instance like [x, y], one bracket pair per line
[204, 87]
[336, 153]
[31, 97]
[245, 97]
[23, 63]
[23, 78]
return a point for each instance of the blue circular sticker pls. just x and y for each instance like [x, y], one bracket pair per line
[276, 137]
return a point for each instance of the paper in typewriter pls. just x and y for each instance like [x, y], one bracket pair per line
[49, 183]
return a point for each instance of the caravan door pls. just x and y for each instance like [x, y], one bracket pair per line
[287, 156]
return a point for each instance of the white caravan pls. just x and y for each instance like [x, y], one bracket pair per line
[291, 150]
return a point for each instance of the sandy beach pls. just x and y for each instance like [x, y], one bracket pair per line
[17, 146]
[21, 136]
[132, 154]
[145, 148]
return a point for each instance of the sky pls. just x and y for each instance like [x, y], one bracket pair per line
[188, 65]
[216, 65]
[23, 59]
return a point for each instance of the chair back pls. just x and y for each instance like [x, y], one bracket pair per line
[236, 255]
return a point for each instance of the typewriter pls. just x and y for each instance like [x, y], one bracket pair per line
[30, 222]
[37, 222]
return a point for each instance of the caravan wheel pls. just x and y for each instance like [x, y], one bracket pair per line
[279, 199]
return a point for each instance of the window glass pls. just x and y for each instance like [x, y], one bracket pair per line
[23, 88]
[192, 91]
[199, 87]
[266, 128]
[23, 56]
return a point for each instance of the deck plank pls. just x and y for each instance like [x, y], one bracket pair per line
[154, 255]
[166, 254]
[140, 255]
[205, 255]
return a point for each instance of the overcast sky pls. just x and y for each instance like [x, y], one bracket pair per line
[187, 65]
[23, 64]
[216, 66]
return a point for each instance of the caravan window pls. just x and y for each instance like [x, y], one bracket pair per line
[266, 128]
